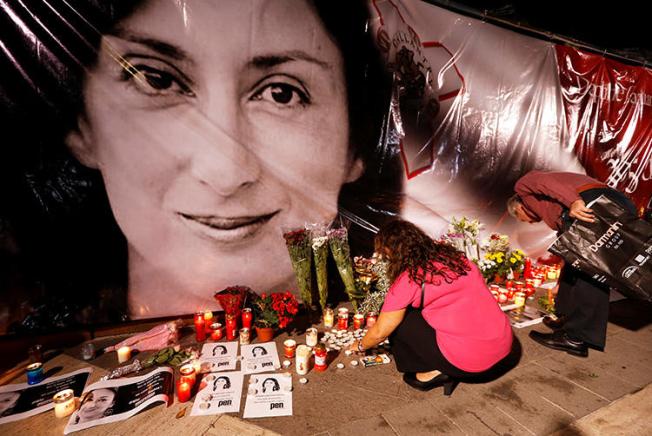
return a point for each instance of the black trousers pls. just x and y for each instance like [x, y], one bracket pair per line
[415, 349]
[583, 301]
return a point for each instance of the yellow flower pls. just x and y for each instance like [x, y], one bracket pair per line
[499, 261]
[511, 259]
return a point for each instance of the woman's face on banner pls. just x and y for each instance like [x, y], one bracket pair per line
[96, 404]
[215, 125]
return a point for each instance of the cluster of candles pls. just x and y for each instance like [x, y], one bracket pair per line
[343, 319]
[64, 401]
[312, 346]
[513, 291]
[206, 327]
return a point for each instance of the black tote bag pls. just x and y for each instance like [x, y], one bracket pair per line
[615, 250]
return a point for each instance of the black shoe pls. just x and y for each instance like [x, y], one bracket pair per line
[554, 323]
[444, 380]
[559, 340]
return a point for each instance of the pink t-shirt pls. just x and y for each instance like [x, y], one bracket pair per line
[473, 333]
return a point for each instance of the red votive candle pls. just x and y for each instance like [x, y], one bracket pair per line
[231, 327]
[247, 317]
[183, 391]
[289, 348]
[320, 357]
[187, 374]
[371, 319]
[200, 327]
[216, 331]
[343, 320]
[358, 320]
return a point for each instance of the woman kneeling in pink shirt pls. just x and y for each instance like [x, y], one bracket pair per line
[443, 323]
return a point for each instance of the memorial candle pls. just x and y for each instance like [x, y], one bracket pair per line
[34, 373]
[371, 319]
[247, 317]
[64, 403]
[188, 374]
[200, 327]
[216, 331]
[183, 391]
[312, 335]
[358, 321]
[231, 327]
[289, 347]
[124, 354]
[329, 318]
[208, 320]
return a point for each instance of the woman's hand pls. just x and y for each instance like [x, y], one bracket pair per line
[578, 210]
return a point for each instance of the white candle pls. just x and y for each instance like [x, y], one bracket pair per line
[124, 354]
[303, 359]
[64, 403]
[311, 337]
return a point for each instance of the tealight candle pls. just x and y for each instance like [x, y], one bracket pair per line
[311, 337]
[34, 373]
[124, 354]
[64, 403]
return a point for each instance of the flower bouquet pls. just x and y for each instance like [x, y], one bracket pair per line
[464, 235]
[232, 299]
[298, 243]
[320, 255]
[276, 309]
[338, 240]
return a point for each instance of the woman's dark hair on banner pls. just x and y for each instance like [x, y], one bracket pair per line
[94, 204]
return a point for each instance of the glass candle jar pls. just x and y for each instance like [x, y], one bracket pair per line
[329, 318]
[64, 403]
[34, 373]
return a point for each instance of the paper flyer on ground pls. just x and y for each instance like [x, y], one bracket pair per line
[527, 317]
[259, 358]
[218, 393]
[269, 395]
[220, 356]
[116, 400]
[21, 401]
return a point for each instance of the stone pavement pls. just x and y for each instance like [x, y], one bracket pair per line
[548, 392]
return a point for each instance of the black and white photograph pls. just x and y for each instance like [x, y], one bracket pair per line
[21, 401]
[219, 393]
[259, 357]
[269, 395]
[116, 400]
[221, 356]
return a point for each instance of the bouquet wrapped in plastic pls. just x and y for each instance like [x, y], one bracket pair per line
[153, 339]
[338, 240]
[298, 243]
[232, 299]
[320, 255]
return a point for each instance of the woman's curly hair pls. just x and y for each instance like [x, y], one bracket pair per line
[411, 250]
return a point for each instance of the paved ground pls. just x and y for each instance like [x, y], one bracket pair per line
[547, 392]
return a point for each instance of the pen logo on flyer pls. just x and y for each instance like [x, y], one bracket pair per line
[224, 403]
[275, 406]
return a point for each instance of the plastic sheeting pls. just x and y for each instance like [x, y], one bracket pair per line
[154, 151]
